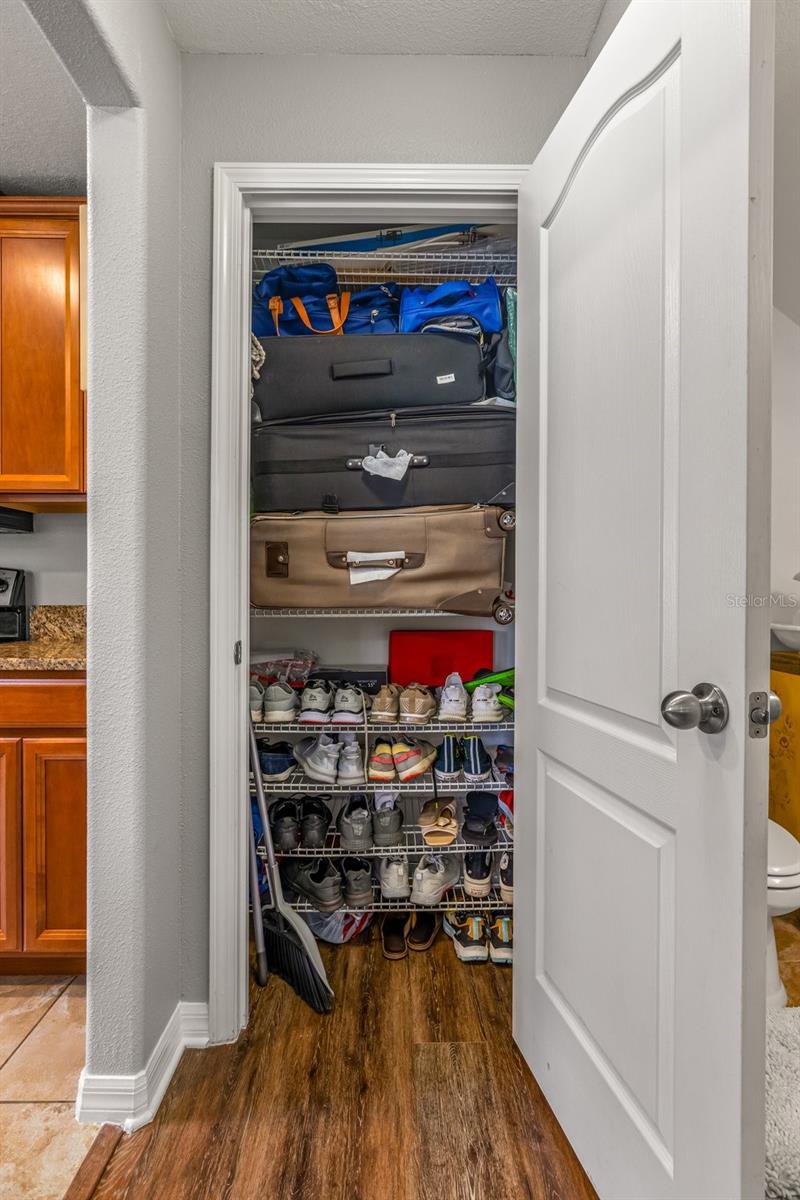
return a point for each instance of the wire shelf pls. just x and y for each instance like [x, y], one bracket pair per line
[411, 844]
[362, 612]
[378, 727]
[358, 268]
[299, 782]
[456, 898]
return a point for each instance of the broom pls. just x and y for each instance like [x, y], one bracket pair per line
[292, 951]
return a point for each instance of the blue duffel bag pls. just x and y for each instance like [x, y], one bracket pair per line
[295, 301]
[457, 297]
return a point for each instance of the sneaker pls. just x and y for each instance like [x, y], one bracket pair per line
[280, 703]
[284, 821]
[355, 823]
[504, 763]
[449, 758]
[417, 705]
[478, 874]
[423, 930]
[315, 820]
[319, 757]
[351, 761]
[477, 763]
[501, 939]
[453, 699]
[381, 760]
[485, 704]
[393, 876]
[316, 879]
[349, 705]
[315, 703]
[507, 877]
[435, 875]
[386, 705]
[468, 931]
[277, 760]
[357, 876]
[412, 758]
[394, 930]
[387, 820]
[256, 701]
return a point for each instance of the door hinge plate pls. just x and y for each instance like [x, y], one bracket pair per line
[237, 653]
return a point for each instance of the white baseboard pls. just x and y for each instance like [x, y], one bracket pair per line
[133, 1100]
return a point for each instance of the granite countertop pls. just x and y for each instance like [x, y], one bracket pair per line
[57, 641]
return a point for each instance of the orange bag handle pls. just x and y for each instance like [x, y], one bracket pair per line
[338, 316]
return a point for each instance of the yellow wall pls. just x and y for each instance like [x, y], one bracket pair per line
[784, 745]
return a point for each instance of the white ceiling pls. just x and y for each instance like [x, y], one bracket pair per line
[383, 26]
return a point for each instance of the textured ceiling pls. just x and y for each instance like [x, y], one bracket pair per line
[383, 26]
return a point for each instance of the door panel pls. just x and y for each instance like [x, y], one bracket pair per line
[633, 1001]
[10, 845]
[41, 420]
[54, 822]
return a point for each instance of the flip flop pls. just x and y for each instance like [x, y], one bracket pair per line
[429, 814]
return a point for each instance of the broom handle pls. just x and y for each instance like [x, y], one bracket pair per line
[255, 900]
[273, 875]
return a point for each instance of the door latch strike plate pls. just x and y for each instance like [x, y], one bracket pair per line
[237, 653]
[757, 706]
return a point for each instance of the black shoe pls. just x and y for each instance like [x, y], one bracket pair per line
[357, 875]
[284, 821]
[315, 879]
[315, 819]
[507, 877]
[478, 873]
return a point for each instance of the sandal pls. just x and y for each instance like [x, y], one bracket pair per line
[444, 829]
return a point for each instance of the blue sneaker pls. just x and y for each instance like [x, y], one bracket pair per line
[277, 760]
[477, 763]
[504, 762]
[447, 767]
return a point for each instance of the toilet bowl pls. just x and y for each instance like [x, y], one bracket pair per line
[783, 896]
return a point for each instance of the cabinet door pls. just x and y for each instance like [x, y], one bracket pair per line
[41, 407]
[54, 844]
[10, 846]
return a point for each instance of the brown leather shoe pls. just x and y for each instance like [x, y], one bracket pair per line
[424, 929]
[394, 931]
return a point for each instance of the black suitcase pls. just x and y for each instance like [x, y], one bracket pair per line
[309, 376]
[463, 456]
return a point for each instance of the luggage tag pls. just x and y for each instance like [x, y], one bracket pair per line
[364, 568]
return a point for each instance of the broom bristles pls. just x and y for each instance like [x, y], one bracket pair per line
[288, 959]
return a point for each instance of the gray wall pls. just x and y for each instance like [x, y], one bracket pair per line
[54, 556]
[252, 108]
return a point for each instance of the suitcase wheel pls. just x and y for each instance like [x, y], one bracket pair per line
[507, 520]
[503, 613]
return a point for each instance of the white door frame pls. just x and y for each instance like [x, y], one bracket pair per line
[281, 191]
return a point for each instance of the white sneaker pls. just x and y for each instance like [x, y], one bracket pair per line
[348, 705]
[435, 874]
[280, 703]
[319, 757]
[453, 700]
[485, 705]
[393, 875]
[351, 761]
[315, 704]
[256, 700]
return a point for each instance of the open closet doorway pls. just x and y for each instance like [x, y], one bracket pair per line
[621, 394]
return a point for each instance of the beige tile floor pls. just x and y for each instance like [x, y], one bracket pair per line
[42, 1021]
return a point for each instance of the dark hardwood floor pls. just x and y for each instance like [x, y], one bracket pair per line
[411, 1090]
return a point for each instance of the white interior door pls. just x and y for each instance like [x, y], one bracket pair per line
[645, 289]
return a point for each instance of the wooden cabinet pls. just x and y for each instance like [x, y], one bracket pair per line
[42, 416]
[42, 824]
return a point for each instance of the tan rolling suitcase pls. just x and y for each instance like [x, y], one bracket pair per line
[448, 558]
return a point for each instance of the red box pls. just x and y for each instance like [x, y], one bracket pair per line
[430, 655]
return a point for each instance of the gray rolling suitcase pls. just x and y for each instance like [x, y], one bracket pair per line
[459, 456]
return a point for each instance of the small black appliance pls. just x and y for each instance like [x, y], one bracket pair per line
[13, 608]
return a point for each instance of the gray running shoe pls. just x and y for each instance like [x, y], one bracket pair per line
[355, 824]
[357, 875]
[319, 757]
[393, 875]
[316, 879]
[315, 818]
[435, 875]
[351, 761]
[387, 820]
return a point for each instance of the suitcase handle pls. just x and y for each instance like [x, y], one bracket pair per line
[337, 558]
[417, 460]
[355, 370]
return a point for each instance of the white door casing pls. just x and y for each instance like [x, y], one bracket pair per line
[644, 285]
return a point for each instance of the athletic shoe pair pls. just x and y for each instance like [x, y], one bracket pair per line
[275, 704]
[454, 701]
[411, 705]
[466, 755]
[401, 758]
[362, 823]
[476, 939]
[325, 703]
[327, 886]
[299, 821]
[326, 760]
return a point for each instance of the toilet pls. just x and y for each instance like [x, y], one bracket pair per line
[783, 896]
